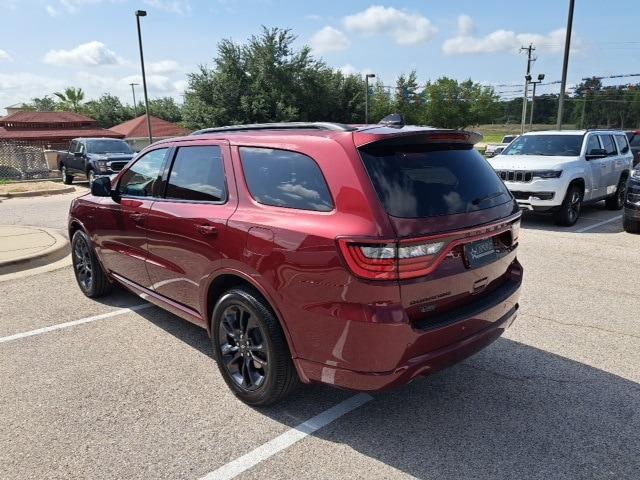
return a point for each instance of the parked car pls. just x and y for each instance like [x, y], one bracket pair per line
[94, 157]
[560, 171]
[494, 149]
[634, 141]
[315, 252]
[631, 217]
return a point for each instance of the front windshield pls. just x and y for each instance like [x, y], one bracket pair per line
[108, 146]
[548, 145]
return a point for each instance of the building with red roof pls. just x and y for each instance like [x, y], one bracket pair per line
[51, 130]
[136, 131]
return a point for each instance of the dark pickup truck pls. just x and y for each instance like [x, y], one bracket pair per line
[94, 157]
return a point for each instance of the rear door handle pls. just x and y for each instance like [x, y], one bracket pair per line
[137, 218]
[207, 230]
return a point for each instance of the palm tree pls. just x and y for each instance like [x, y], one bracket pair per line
[71, 98]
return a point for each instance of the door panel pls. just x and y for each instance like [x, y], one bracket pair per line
[187, 228]
[121, 237]
[121, 230]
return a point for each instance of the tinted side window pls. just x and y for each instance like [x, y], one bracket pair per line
[285, 179]
[141, 177]
[623, 145]
[635, 140]
[608, 145]
[593, 144]
[197, 174]
[73, 145]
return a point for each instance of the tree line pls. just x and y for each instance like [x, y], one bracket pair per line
[266, 79]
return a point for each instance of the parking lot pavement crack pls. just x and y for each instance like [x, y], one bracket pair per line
[527, 378]
[569, 324]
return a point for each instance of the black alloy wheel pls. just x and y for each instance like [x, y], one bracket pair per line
[242, 344]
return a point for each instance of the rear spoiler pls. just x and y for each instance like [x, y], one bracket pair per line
[389, 136]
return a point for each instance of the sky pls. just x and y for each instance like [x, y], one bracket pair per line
[46, 45]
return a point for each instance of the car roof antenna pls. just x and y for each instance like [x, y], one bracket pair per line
[394, 120]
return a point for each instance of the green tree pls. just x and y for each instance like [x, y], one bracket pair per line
[70, 99]
[165, 108]
[42, 104]
[107, 111]
[268, 80]
[380, 103]
[408, 99]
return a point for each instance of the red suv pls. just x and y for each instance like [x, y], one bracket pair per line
[360, 257]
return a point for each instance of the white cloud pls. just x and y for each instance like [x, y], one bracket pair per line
[180, 7]
[5, 57]
[349, 69]
[157, 83]
[52, 11]
[181, 86]
[405, 28]
[502, 40]
[91, 54]
[164, 66]
[329, 39]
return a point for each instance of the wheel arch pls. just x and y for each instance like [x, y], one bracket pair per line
[229, 279]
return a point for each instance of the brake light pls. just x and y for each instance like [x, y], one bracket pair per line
[378, 259]
[393, 260]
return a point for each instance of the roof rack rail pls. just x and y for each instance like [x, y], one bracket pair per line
[334, 127]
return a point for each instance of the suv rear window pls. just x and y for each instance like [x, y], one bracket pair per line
[285, 179]
[623, 144]
[433, 180]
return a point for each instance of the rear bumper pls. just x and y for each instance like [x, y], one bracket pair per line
[426, 351]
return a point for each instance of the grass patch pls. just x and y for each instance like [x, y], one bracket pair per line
[4, 181]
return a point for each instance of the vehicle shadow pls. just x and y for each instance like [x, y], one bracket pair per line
[591, 215]
[511, 411]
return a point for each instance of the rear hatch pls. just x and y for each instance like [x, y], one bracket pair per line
[456, 223]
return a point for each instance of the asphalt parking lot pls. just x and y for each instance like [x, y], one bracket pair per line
[135, 393]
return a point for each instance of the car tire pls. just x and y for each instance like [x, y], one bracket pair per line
[90, 276]
[91, 176]
[569, 212]
[630, 225]
[251, 349]
[616, 201]
[66, 178]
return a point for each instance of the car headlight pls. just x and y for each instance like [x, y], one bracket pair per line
[547, 174]
[102, 165]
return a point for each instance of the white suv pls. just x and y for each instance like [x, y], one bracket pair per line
[559, 171]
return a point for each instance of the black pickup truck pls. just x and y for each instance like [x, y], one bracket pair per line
[93, 157]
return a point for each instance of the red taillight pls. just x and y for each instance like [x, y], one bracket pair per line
[378, 259]
[392, 260]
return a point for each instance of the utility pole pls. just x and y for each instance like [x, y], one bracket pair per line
[530, 59]
[133, 91]
[366, 96]
[142, 13]
[565, 64]
[533, 98]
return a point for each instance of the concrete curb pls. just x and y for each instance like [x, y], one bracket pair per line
[57, 251]
[39, 193]
[65, 262]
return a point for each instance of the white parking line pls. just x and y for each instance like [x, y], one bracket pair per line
[599, 224]
[73, 323]
[284, 441]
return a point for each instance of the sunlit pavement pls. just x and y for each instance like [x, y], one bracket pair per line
[137, 395]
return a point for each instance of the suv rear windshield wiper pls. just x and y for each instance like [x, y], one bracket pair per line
[480, 200]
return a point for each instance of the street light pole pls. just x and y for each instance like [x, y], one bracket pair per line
[533, 98]
[525, 98]
[133, 91]
[565, 64]
[366, 96]
[142, 13]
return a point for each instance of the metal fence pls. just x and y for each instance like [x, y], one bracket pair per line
[20, 161]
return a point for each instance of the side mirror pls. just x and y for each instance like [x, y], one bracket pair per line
[101, 187]
[596, 153]
[77, 154]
